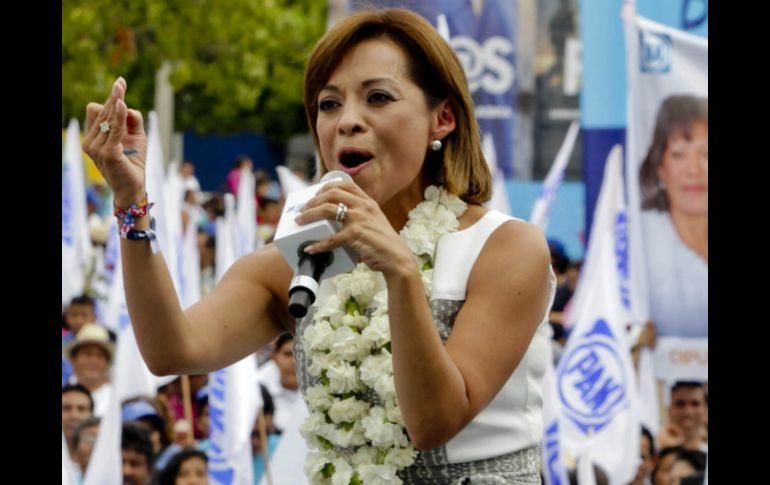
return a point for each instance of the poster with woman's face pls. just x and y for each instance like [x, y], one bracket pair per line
[667, 181]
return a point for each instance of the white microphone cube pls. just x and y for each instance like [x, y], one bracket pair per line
[289, 235]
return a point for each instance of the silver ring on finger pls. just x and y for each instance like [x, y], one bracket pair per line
[104, 127]
[342, 211]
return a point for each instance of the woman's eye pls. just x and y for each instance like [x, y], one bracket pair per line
[327, 104]
[379, 97]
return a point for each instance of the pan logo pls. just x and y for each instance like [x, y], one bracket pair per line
[591, 383]
[655, 52]
[488, 65]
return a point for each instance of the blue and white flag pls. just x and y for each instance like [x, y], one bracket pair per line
[75, 238]
[595, 378]
[554, 471]
[233, 391]
[553, 180]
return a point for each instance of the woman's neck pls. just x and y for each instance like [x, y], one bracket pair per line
[693, 231]
[397, 209]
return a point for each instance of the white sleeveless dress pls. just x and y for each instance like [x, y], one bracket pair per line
[501, 444]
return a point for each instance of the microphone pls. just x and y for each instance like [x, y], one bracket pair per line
[291, 238]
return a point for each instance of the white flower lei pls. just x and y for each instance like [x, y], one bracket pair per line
[353, 441]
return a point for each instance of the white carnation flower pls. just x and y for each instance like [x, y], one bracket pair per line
[379, 431]
[373, 367]
[378, 331]
[348, 410]
[343, 378]
[343, 472]
[432, 193]
[453, 203]
[319, 361]
[393, 412]
[365, 455]
[359, 283]
[318, 397]
[400, 457]
[315, 463]
[378, 474]
[385, 387]
[346, 438]
[317, 337]
[309, 428]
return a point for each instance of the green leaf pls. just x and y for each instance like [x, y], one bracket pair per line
[325, 443]
[355, 480]
[328, 470]
[351, 306]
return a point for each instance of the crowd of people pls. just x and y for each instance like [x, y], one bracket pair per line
[445, 379]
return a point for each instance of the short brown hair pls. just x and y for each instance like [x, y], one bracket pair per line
[677, 113]
[435, 69]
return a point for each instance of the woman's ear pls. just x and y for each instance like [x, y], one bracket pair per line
[444, 120]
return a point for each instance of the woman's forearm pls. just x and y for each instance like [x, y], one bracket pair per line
[153, 306]
[430, 388]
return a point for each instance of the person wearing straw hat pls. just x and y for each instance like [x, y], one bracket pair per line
[91, 355]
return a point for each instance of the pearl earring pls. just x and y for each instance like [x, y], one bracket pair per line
[435, 145]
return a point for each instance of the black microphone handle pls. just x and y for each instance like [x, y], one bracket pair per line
[310, 265]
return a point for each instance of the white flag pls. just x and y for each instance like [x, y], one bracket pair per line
[190, 280]
[246, 213]
[75, 237]
[499, 200]
[553, 180]
[167, 213]
[233, 396]
[594, 378]
[288, 180]
[227, 249]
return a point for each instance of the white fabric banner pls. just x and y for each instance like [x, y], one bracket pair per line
[595, 379]
[75, 237]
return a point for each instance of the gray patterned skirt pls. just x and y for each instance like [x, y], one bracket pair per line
[431, 468]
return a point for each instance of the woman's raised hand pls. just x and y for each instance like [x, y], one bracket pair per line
[116, 141]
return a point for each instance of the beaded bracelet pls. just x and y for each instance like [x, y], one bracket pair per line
[130, 215]
[149, 234]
